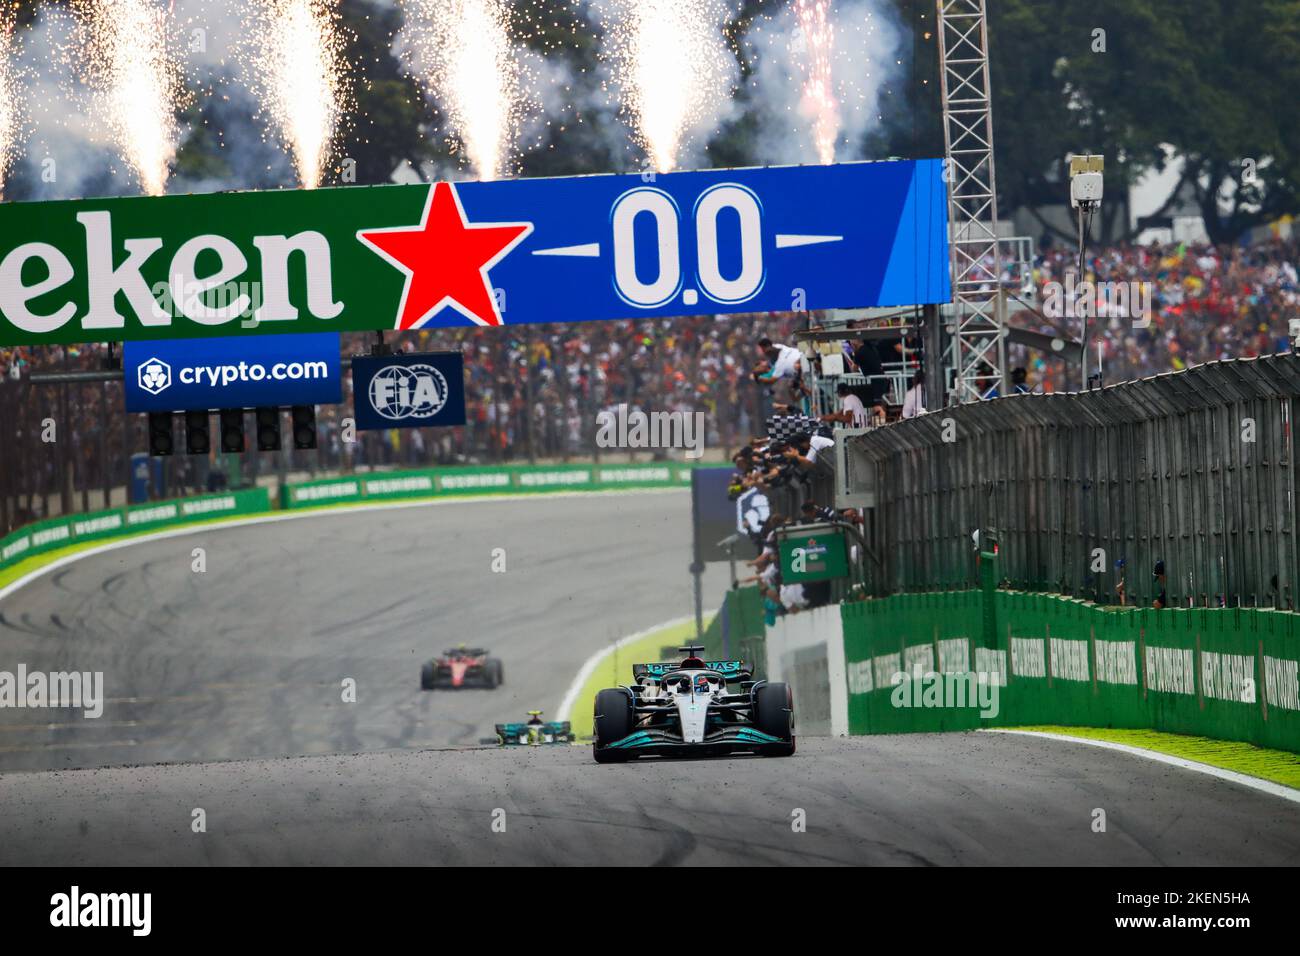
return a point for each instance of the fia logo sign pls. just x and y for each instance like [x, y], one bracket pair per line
[408, 391]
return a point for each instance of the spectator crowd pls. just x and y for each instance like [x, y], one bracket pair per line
[534, 392]
[1207, 303]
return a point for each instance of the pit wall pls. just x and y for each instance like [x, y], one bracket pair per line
[1225, 673]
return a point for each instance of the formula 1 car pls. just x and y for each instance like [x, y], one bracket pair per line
[686, 709]
[462, 667]
[535, 732]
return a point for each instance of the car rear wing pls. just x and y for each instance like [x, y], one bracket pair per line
[730, 670]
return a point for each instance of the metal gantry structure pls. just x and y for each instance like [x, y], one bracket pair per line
[977, 317]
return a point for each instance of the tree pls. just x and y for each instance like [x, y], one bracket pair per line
[1214, 80]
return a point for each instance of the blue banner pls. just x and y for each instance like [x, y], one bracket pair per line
[195, 374]
[412, 390]
[718, 241]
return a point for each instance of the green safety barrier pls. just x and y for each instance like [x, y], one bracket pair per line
[53, 533]
[1226, 673]
[737, 631]
[510, 479]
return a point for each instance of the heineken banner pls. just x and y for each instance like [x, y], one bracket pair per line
[495, 253]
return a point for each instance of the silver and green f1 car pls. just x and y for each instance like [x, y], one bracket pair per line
[535, 732]
[689, 709]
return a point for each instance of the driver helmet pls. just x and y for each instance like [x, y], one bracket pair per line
[701, 684]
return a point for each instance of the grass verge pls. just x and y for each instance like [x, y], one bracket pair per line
[1276, 766]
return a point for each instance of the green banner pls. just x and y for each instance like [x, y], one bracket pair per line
[189, 266]
[505, 479]
[819, 555]
[54, 533]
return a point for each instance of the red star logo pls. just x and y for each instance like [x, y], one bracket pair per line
[446, 259]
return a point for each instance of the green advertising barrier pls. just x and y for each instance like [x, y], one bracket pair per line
[505, 479]
[54, 533]
[1225, 673]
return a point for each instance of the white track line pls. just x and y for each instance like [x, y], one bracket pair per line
[323, 511]
[571, 695]
[1255, 783]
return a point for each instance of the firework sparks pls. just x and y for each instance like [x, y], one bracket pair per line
[461, 53]
[818, 103]
[296, 51]
[670, 60]
[817, 70]
[9, 95]
[137, 82]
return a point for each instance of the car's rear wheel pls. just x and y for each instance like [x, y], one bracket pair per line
[774, 714]
[426, 676]
[612, 722]
[497, 671]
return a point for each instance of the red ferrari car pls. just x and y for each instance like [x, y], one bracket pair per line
[462, 667]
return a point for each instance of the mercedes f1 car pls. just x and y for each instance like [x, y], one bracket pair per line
[535, 732]
[462, 667]
[689, 709]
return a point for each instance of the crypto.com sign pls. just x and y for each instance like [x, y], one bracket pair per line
[497, 253]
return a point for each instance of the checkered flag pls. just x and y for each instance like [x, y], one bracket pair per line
[789, 427]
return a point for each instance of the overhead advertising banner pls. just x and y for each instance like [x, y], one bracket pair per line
[497, 253]
[271, 370]
[411, 390]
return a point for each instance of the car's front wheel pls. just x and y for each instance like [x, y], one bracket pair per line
[612, 722]
[426, 676]
[774, 715]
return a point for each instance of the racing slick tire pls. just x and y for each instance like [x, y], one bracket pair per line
[613, 721]
[427, 676]
[774, 714]
[496, 672]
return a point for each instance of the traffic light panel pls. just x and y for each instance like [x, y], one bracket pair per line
[198, 439]
[304, 426]
[268, 429]
[232, 431]
[161, 439]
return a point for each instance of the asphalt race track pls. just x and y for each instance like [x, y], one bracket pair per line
[918, 800]
[248, 658]
[223, 675]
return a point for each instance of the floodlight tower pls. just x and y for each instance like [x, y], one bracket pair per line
[1085, 197]
[978, 310]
